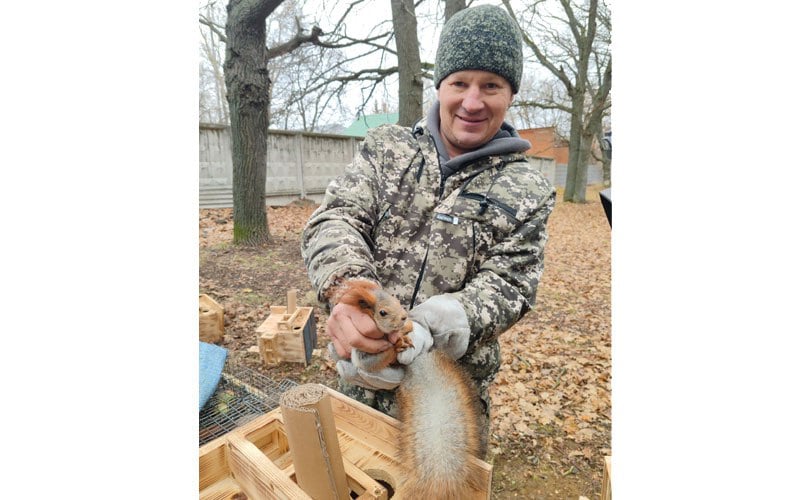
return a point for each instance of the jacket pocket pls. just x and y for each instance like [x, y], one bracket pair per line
[399, 249]
[493, 219]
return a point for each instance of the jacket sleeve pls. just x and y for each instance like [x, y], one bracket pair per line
[336, 242]
[504, 288]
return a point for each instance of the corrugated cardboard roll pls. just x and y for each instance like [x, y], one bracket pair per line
[313, 443]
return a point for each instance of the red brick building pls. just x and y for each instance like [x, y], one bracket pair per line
[545, 144]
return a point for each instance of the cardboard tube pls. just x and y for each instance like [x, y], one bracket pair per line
[313, 443]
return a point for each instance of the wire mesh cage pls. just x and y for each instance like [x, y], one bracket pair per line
[241, 395]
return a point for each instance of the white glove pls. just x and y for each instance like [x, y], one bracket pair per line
[387, 378]
[445, 318]
[422, 340]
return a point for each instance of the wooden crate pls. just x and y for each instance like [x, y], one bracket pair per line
[255, 459]
[212, 321]
[288, 334]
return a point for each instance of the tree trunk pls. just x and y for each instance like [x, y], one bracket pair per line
[605, 159]
[247, 79]
[582, 171]
[571, 185]
[404, 21]
[453, 6]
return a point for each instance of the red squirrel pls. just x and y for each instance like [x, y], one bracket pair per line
[388, 314]
[437, 401]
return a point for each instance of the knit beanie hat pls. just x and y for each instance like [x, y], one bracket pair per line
[484, 38]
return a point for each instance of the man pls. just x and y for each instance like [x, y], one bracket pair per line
[447, 215]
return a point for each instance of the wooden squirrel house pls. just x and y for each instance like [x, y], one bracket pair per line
[288, 334]
[212, 321]
[318, 444]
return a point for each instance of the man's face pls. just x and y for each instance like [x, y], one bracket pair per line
[473, 104]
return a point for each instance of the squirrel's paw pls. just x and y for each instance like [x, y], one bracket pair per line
[403, 343]
[387, 378]
[371, 361]
[419, 340]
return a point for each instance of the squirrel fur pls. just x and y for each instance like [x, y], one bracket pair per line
[438, 404]
[388, 314]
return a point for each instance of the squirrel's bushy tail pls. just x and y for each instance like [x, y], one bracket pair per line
[439, 411]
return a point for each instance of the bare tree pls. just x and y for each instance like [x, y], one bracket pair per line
[311, 80]
[567, 45]
[539, 103]
[295, 104]
[409, 68]
[213, 106]
[248, 84]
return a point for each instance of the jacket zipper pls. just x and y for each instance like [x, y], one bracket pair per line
[491, 201]
[419, 279]
[503, 206]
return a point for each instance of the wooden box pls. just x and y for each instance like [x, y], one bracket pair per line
[255, 459]
[212, 321]
[288, 334]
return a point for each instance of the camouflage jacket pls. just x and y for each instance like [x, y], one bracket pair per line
[479, 234]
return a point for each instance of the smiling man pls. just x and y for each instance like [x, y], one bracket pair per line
[447, 215]
[472, 104]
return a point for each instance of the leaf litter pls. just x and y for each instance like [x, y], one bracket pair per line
[551, 400]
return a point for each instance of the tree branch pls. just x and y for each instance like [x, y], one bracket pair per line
[299, 39]
[217, 29]
[558, 72]
[541, 105]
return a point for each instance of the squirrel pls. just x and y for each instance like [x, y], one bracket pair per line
[437, 401]
[388, 314]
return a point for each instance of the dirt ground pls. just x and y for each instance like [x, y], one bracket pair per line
[551, 402]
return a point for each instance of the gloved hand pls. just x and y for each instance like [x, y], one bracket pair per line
[445, 318]
[422, 340]
[387, 379]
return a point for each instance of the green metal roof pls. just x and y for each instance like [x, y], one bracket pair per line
[359, 127]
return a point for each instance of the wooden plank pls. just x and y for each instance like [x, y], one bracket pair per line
[358, 481]
[484, 482]
[377, 430]
[226, 489]
[213, 462]
[257, 475]
[605, 490]
[363, 485]
[264, 432]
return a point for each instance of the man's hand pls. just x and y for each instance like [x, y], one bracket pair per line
[421, 340]
[387, 378]
[350, 328]
[444, 317]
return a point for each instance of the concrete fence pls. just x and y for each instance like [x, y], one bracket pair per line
[301, 164]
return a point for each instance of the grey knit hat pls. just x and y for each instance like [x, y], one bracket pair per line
[484, 38]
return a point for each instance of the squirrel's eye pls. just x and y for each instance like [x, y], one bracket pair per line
[382, 312]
